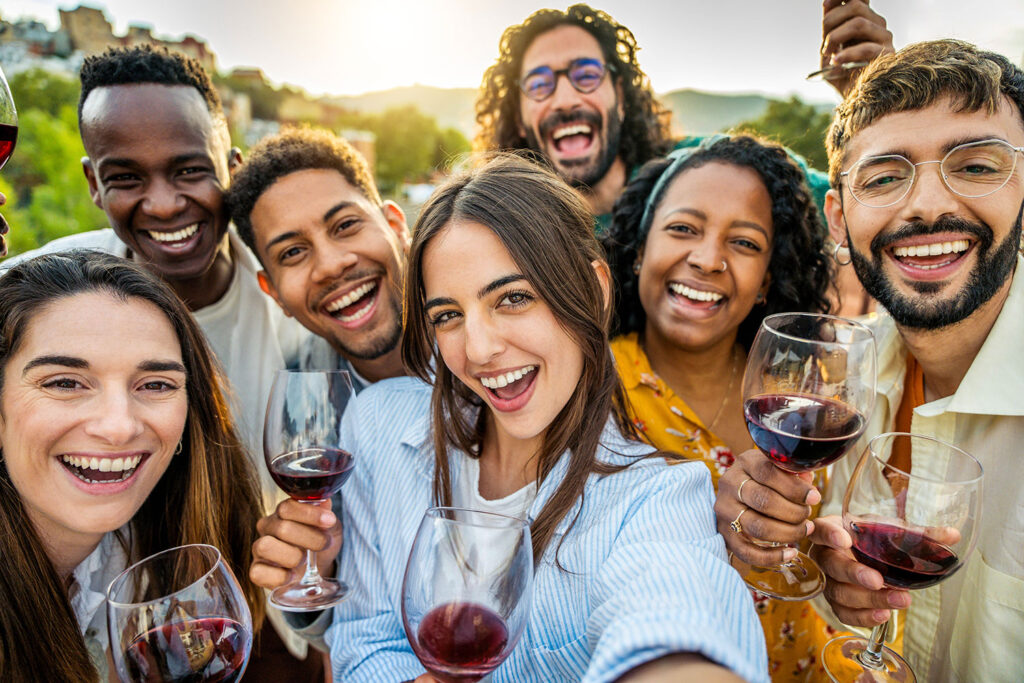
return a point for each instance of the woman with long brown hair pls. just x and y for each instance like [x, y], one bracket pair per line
[115, 444]
[507, 306]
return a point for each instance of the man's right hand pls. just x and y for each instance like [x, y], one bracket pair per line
[279, 554]
[854, 591]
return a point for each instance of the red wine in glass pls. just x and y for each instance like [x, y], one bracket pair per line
[204, 650]
[312, 473]
[461, 642]
[905, 558]
[8, 139]
[802, 433]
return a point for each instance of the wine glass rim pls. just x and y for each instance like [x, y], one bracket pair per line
[435, 510]
[128, 570]
[852, 324]
[919, 477]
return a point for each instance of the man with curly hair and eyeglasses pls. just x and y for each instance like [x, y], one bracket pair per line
[604, 121]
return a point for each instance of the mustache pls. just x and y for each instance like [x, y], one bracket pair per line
[561, 118]
[980, 231]
[342, 283]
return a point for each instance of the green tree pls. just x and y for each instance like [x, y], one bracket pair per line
[799, 126]
[40, 89]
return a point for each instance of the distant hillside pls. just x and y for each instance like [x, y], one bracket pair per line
[694, 112]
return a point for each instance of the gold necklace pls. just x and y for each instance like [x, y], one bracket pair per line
[728, 392]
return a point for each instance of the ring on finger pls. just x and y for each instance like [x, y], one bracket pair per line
[735, 524]
[739, 491]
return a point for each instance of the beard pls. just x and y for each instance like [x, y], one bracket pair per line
[990, 273]
[379, 345]
[581, 174]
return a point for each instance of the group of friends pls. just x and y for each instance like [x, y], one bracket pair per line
[561, 337]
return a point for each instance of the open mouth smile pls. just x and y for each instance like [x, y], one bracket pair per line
[510, 390]
[574, 139]
[176, 240]
[932, 260]
[356, 305]
[93, 470]
[691, 296]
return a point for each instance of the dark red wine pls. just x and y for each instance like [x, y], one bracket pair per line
[802, 433]
[904, 558]
[312, 473]
[205, 650]
[460, 642]
[8, 138]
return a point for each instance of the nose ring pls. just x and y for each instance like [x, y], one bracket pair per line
[725, 266]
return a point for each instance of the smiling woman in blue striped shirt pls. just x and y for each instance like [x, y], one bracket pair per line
[507, 296]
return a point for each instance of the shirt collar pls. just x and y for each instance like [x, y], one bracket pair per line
[632, 362]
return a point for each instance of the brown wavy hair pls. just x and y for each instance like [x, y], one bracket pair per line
[209, 493]
[646, 123]
[549, 233]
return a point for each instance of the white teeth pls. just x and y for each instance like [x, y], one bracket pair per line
[125, 465]
[349, 299]
[695, 294]
[933, 249]
[578, 129]
[105, 465]
[506, 379]
[175, 236]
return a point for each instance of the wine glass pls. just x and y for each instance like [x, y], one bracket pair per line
[467, 591]
[915, 526]
[8, 121]
[302, 447]
[828, 72]
[200, 630]
[808, 391]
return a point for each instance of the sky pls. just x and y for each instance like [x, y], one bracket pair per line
[355, 46]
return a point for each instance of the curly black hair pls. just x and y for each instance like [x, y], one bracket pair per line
[146, 64]
[292, 150]
[801, 273]
[646, 124]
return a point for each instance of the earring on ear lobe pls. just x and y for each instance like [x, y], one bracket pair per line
[760, 298]
[835, 254]
[636, 267]
[177, 450]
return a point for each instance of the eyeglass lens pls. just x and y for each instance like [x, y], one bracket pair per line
[976, 169]
[585, 75]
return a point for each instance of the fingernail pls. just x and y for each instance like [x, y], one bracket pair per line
[899, 600]
[836, 537]
[327, 518]
[789, 554]
[812, 497]
[864, 577]
[880, 615]
[809, 525]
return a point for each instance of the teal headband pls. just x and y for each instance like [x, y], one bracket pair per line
[678, 157]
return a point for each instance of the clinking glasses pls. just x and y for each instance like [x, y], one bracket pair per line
[974, 169]
[584, 74]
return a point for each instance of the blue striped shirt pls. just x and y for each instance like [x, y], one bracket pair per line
[647, 574]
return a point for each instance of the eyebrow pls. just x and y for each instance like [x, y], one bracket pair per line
[175, 161]
[735, 224]
[484, 291]
[944, 150]
[82, 364]
[295, 233]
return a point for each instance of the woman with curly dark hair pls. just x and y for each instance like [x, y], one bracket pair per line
[703, 245]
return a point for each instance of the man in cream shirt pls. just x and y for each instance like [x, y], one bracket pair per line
[935, 238]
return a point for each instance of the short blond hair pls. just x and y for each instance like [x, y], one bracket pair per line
[916, 77]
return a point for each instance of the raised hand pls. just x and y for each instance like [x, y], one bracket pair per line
[850, 32]
[279, 554]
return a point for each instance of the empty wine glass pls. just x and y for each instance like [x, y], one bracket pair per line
[808, 391]
[467, 591]
[198, 630]
[302, 447]
[8, 121]
[829, 72]
[914, 525]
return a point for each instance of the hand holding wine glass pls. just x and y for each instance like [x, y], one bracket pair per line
[303, 450]
[200, 631]
[915, 522]
[808, 390]
[467, 591]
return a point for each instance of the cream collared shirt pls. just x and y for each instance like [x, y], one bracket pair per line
[969, 628]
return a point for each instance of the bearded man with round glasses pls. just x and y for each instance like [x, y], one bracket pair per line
[925, 156]
[567, 86]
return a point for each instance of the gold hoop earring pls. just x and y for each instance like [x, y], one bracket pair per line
[177, 450]
[835, 255]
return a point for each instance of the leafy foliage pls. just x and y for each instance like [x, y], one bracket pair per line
[799, 126]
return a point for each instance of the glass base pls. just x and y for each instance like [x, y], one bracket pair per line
[842, 657]
[300, 597]
[798, 579]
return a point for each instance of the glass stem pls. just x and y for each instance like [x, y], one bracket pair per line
[872, 656]
[312, 575]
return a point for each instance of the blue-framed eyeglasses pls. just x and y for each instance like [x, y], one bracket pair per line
[584, 74]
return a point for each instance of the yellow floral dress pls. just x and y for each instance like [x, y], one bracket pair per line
[794, 632]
